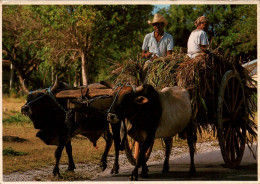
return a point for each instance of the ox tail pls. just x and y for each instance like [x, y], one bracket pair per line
[123, 135]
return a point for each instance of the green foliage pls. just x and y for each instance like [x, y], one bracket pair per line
[16, 118]
[232, 27]
[45, 41]
[10, 152]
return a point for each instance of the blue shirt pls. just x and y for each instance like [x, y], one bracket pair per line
[158, 48]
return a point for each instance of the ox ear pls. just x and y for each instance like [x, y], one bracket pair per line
[141, 100]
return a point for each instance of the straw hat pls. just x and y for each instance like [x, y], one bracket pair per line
[158, 18]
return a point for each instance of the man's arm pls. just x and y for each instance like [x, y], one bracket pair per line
[169, 52]
[204, 48]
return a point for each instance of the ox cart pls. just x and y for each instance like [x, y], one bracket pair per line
[223, 97]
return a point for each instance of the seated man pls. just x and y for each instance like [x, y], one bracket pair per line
[198, 40]
[157, 43]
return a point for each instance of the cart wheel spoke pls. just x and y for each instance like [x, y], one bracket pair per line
[226, 120]
[232, 146]
[227, 106]
[236, 97]
[237, 145]
[239, 105]
[227, 132]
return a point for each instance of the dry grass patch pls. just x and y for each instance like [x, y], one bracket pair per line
[40, 154]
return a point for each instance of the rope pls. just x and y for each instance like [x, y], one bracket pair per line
[112, 105]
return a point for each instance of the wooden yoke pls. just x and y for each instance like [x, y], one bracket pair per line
[84, 92]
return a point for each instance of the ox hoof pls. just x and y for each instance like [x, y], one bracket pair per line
[56, 172]
[103, 166]
[115, 170]
[165, 172]
[133, 178]
[193, 172]
[71, 168]
[144, 175]
[165, 169]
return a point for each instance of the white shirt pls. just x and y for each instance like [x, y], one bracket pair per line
[197, 38]
[158, 48]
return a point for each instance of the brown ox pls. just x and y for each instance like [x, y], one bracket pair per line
[57, 124]
[154, 115]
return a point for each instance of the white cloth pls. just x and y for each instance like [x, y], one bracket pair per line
[158, 48]
[197, 38]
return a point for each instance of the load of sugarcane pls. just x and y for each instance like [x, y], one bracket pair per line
[201, 76]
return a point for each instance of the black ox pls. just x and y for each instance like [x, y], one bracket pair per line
[57, 124]
[152, 115]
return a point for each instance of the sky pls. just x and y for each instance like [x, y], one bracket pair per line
[160, 6]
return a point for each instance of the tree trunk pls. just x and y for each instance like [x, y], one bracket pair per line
[77, 79]
[84, 69]
[11, 76]
[21, 81]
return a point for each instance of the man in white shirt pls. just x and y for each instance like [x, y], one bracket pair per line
[198, 40]
[157, 43]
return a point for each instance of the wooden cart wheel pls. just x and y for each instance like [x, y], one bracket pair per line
[231, 119]
[132, 149]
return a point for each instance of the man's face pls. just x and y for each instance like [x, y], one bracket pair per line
[158, 27]
[204, 25]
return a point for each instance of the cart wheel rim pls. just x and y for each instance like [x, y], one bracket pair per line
[231, 119]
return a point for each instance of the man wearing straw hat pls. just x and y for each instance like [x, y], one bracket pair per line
[157, 43]
[198, 41]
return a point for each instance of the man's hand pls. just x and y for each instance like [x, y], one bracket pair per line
[146, 54]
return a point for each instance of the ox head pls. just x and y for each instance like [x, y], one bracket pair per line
[36, 97]
[134, 103]
[42, 108]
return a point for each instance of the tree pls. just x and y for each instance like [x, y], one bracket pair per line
[232, 27]
[92, 33]
[22, 41]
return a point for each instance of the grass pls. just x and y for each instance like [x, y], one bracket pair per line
[11, 152]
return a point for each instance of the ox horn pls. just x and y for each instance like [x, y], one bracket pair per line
[55, 85]
[108, 84]
[25, 90]
[139, 88]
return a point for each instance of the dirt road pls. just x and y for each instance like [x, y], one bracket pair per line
[208, 160]
[209, 167]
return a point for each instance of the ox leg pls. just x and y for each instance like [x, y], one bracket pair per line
[168, 144]
[116, 137]
[141, 158]
[191, 139]
[144, 173]
[69, 152]
[108, 139]
[58, 152]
